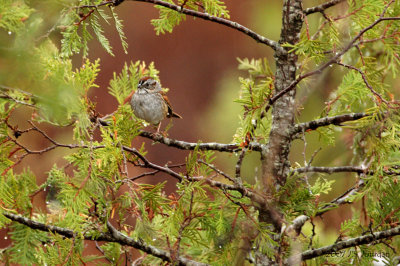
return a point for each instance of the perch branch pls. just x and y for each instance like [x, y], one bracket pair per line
[202, 146]
[184, 145]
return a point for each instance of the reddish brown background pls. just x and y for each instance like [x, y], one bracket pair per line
[192, 62]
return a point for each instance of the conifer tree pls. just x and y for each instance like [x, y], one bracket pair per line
[205, 221]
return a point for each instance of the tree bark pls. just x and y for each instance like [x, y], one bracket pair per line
[275, 163]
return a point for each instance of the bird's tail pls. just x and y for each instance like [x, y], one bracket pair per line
[176, 115]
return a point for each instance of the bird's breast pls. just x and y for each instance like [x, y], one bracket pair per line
[149, 107]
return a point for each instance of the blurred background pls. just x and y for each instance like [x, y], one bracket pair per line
[198, 63]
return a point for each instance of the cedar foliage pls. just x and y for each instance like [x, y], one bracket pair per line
[201, 221]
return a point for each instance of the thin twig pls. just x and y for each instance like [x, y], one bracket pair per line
[138, 176]
[149, 164]
[102, 251]
[365, 80]
[326, 121]
[231, 24]
[218, 171]
[322, 7]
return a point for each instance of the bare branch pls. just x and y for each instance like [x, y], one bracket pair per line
[298, 222]
[149, 164]
[217, 170]
[113, 236]
[254, 196]
[340, 169]
[202, 146]
[138, 176]
[330, 170]
[183, 145]
[231, 24]
[353, 242]
[236, 187]
[344, 198]
[322, 7]
[326, 121]
[164, 255]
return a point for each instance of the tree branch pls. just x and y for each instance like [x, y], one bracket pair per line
[344, 198]
[330, 170]
[217, 170]
[365, 80]
[233, 147]
[340, 169]
[113, 236]
[333, 60]
[184, 145]
[260, 200]
[297, 224]
[326, 121]
[149, 164]
[164, 255]
[231, 24]
[322, 7]
[299, 221]
[362, 240]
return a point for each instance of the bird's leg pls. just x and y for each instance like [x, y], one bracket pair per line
[158, 128]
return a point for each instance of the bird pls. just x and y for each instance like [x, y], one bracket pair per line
[150, 103]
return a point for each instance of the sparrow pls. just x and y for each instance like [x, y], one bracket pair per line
[150, 103]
